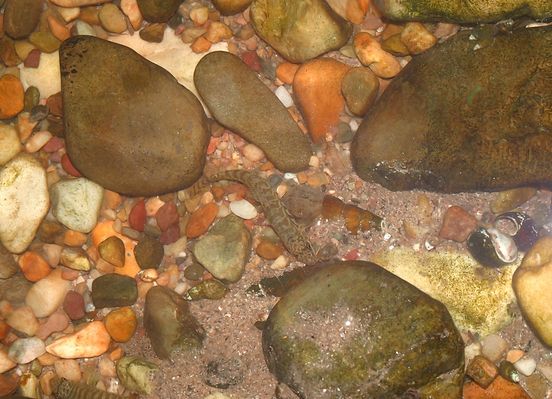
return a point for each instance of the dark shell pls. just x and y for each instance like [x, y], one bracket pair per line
[491, 247]
[525, 234]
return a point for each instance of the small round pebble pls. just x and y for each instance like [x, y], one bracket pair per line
[284, 96]
[526, 365]
[73, 305]
[253, 153]
[149, 253]
[244, 209]
[112, 250]
[121, 324]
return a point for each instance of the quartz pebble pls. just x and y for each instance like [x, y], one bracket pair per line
[253, 153]
[90, 341]
[370, 54]
[37, 141]
[9, 143]
[284, 96]
[244, 209]
[494, 347]
[6, 363]
[46, 295]
[23, 320]
[68, 369]
[417, 38]
[25, 350]
[526, 366]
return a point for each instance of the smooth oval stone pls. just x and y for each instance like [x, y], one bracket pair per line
[169, 323]
[299, 30]
[112, 290]
[354, 330]
[460, 11]
[489, 130]
[239, 101]
[129, 125]
[21, 17]
[231, 7]
[158, 10]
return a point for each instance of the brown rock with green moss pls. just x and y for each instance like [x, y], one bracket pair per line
[299, 29]
[472, 114]
[461, 11]
[354, 330]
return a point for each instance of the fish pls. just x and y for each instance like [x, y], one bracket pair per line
[65, 389]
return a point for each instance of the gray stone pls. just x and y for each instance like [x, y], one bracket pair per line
[353, 330]
[158, 10]
[21, 17]
[489, 130]
[241, 102]
[113, 290]
[169, 324]
[76, 203]
[25, 350]
[129, 125]
[475, 11]
[225, 249]
[360, 88]
[299, 30]
[15, 289]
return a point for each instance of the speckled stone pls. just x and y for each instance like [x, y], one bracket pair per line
[137, 132]
[239, 101]
[420, 136]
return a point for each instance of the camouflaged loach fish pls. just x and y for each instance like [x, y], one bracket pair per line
[65, 389]
[293, 237]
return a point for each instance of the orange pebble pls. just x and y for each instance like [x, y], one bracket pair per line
[111, 199]
[201, 219]
[201, 45]
[121, 324]
[286, 72]
[34, 266]
[500, 388]
[74, 238]
[11, 96]
[116, 353]
[58, 29]
[4, 329]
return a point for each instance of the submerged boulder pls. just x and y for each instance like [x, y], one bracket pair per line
[472, 114]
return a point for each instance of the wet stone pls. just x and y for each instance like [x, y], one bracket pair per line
[14, 289]
[138, 132]
[360, 88]
[25, 350]
[136, 374]
[44, 41]
[299, 30]
[21, 17]
[112, 250]
[379, 345]
[158, 10]
[420, 136]
[231, 7]
[207, 289]
[149, 253]
[73, 305]
[112, 290]
[153, 33]
[8, 265]
[239, 101]
[225, 249]
[121, 324]
[224, 373]
[8, 54]
[169, 323]
[457, 224]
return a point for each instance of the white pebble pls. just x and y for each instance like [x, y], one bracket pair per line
[25, 350]
[37, 141]
[353, 124]
[181, 288]
[279, 263]
[526, 365]
[493, 347]
[9, 143]
[283, 96]
[243, 209]
[253, 153]
[314, 161]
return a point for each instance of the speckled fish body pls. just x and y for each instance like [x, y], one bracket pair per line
[289, 232]
[66, 389]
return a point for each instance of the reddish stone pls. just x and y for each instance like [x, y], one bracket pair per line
[33, 59]
[268, 249]
[201, 219]
[457, 224]
[54, 104]
[54, 144]
[137, 216]
[34, 266]
[353, 254]
[4, 329]
[166, 216]
[252, 60]
[170, 235]
[8, 383]
[500, 388]
[68, 166]
[73, 305]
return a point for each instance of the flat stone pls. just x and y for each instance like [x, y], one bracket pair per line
[531, 284]
[420, 136]
[169, 323]
[299, 30]
[231, 7]
[225, 249]
[21, 17]
[352, 329]
[46, 295]
[478, 11]
[76, 3]
[113, 290]
[239, 101]
[25, 201]
[139, 139]
[158, 10]
[90, 341]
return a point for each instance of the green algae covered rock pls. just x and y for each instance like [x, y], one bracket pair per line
[354, 330]
[471, 114]
[461, 11]
[299, 29]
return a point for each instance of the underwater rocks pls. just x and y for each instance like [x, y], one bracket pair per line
[489, 129]
[299, 30]
[239, 101]
[129, 125]
[463, 12]
[354, 330]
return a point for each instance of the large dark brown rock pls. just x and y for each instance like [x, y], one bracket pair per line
[158, 10]
[239, 101]
[463, 11]
[21, 17]
[472, 114]
[129, 125]
[354, 330]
